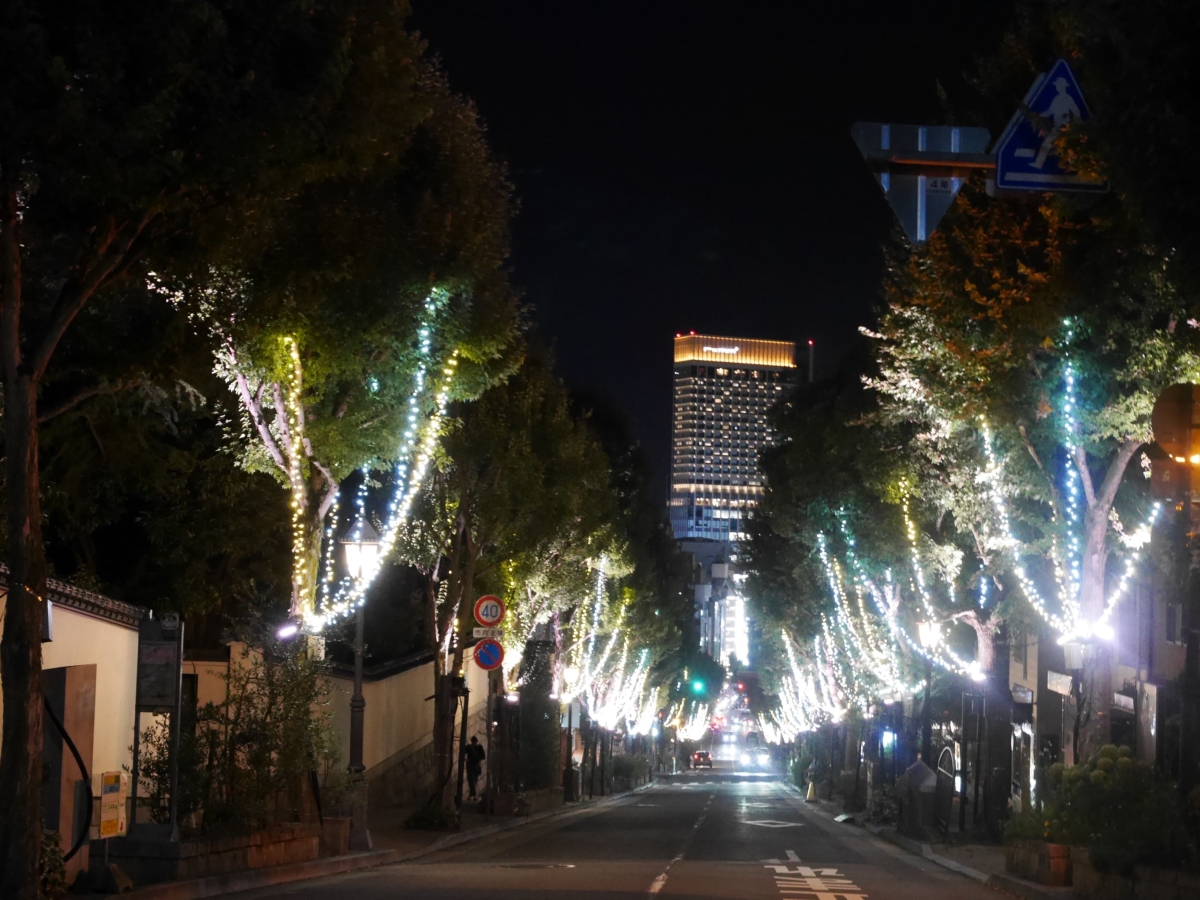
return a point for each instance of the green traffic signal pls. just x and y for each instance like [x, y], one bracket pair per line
[698, 687]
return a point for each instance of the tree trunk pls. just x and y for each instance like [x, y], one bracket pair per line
[1095, 724]
[21, 645]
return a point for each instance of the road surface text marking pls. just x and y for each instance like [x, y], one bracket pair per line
[797, 882]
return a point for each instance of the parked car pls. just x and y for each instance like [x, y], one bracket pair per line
[701, 758]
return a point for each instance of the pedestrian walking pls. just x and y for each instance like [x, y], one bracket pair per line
[475, 756]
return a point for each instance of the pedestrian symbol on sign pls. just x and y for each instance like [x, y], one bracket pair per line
[1025, 157]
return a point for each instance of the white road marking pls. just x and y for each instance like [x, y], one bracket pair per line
[772, 823]
[661, 881]
[791, 857]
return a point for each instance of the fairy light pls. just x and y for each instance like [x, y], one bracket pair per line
[1069, 621]
[294, 417]
[414, 457]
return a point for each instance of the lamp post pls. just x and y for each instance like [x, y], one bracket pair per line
[930, 634]
[360, 548]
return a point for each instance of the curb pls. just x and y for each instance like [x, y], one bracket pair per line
[252, 879]
[1007, 883]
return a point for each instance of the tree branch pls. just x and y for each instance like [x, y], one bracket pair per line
[116, 252]
[1116, 474]
[85, 394]
[281, 419]
[254, 407]
[1089, 490]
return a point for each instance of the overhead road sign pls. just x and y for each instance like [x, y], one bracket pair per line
[922, 167]
[489, 610]
[1025, 157]
[489, 654]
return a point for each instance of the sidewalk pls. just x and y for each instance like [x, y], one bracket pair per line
[980, 862]
[393, 843]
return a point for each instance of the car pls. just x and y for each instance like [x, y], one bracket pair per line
[755, 758]
[701, 758]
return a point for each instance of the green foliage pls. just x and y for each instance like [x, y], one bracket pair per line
[629, 765]
[1122, 810]
[52, 871]
[245, 763]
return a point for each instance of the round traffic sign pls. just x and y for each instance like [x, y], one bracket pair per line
[488, 654]
[489, 610]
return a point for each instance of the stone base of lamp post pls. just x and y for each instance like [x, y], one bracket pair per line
[360, 835]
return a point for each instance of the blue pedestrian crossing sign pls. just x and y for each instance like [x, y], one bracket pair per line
[1025, 157]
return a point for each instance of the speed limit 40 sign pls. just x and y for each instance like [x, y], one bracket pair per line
[489, 610]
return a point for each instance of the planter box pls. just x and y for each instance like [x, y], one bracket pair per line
[335, 836]
[1040, 862]
[149, 862]
[1147, 883]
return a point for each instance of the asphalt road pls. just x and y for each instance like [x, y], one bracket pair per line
[701, 835]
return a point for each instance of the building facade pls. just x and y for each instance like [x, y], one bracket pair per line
[724, 389]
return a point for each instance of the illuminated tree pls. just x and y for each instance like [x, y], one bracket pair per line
[1027, 343]
[148, 137]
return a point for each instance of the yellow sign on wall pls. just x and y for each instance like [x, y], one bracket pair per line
[114, 791]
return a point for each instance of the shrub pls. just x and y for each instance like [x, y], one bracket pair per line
[630, 766]
[245, 763]
[1124, 812]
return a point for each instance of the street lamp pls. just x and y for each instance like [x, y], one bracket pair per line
[931, 635]
[360, 549]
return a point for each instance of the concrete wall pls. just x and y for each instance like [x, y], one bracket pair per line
[397, 724]
[398, 727]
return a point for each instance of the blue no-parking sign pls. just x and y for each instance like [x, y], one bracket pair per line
[488, 654]
[1025, 157]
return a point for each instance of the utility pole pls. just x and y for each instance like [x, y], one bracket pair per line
[360, 837]
[927, 720]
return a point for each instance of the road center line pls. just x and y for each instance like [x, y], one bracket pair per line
[661, 881]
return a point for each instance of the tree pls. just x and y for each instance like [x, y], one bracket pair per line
[1051, 327]
[139, 135]
[517, 477]
[331, 329]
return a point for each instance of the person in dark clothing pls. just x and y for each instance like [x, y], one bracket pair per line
[475, 755]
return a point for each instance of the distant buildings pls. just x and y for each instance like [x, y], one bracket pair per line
[724, 390]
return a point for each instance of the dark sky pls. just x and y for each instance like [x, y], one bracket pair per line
[687, 165]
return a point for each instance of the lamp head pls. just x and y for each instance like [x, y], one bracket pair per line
[361, 546]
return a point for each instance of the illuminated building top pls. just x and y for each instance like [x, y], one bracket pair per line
[725, 389]
[735, 351]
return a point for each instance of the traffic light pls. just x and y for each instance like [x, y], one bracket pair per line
[697, 687]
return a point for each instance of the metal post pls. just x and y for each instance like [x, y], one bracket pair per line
[568, 770]
[176, 727]
[979, 715]
[832, 735]
[360, 836]
[810, 362]
[962, 769]
[927, 720]
[462, 746]
[135, 774]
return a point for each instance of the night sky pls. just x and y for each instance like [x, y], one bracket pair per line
[687, 165]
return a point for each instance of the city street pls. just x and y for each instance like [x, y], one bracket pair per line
[700, 835]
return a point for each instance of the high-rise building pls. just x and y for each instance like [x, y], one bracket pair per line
[724, 389]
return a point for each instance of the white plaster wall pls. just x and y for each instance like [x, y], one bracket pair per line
[81, 640]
